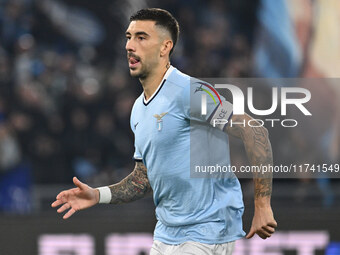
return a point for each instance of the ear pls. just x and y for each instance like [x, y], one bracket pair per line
[166, 48]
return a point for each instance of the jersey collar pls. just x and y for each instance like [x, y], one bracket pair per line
[166, 75]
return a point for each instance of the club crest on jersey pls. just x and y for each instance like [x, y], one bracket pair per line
[159, 120]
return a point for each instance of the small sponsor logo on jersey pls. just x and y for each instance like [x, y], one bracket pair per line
[159, 119]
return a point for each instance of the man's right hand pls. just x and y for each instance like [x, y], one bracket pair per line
[76, 199]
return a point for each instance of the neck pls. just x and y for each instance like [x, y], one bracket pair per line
[152, 81]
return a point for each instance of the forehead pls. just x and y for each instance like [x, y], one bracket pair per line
[147, 26]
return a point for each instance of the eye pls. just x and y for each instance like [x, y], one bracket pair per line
[141, 38]
[128, 38]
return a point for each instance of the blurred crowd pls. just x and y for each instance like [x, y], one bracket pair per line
[65, 109]
[65, 90]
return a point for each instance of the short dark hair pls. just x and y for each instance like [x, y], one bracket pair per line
[162, 18]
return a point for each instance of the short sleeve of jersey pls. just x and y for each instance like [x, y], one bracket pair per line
[203, 103]
[137, 156]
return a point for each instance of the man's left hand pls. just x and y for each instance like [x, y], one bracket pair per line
[263, 223]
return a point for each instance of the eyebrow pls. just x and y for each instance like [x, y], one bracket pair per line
[138, 33]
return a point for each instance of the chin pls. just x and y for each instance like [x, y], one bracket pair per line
[136, 73]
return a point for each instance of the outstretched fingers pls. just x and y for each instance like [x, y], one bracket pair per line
[79, 184]
[64, 207]
[69, 214]
[74, 199]
[56, 203]
[63, 197]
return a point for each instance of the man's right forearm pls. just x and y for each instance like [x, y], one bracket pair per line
[135, 186]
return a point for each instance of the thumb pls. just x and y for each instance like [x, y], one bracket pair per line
[251, 233]
[78, 183]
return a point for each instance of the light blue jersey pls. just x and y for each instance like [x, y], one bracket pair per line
[206, 210]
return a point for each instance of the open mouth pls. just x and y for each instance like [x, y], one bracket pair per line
[133, 62]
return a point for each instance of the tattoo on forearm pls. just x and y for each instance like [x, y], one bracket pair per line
[135, 186]
[262, 155]
[259, 152]
[263, 186]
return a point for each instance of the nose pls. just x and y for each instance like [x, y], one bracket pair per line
[130, 46]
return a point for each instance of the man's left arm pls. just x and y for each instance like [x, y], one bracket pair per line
[259, 152]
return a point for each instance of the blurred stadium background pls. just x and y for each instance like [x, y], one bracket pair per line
[66, 96]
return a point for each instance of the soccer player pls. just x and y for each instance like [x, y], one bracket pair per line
[195, 215]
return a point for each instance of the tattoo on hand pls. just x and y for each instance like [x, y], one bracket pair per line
[135, 186]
